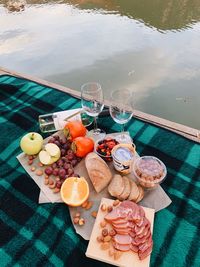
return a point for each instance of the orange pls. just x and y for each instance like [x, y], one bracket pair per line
[74, 191]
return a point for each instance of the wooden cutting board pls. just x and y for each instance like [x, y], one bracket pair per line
[128, 259]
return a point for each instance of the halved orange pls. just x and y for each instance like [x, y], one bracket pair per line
[74, 191]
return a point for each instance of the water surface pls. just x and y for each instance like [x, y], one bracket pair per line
[150, 47]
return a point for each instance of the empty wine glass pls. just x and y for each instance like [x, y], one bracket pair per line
[121, 110]
[92, 102]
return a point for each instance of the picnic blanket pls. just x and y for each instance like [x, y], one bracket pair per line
[42, 235]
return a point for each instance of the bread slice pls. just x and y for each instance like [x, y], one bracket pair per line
[116, 186]
[141, 195]
[127, 189]
[98, 171]
[134, 194]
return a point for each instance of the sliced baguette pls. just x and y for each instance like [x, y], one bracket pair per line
[141, 195]
[116, 186]
[127, 189]
[134, 194]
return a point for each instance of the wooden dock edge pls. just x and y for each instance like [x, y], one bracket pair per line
[186, 131]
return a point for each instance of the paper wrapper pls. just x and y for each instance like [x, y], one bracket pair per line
[156, 199]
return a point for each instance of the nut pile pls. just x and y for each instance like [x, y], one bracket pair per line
[107, 233]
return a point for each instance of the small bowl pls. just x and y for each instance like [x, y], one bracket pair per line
[107, 144]
[149, 171]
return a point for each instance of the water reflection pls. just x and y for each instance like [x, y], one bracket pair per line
[73, 42]
[163, 15]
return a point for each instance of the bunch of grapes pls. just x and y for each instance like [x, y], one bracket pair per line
[64, 167]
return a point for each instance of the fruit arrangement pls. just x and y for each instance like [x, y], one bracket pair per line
[59, 156]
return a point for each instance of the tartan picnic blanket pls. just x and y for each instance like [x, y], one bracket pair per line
[43, 235]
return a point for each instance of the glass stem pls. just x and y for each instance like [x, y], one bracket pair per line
[95, 124]
[122, 131]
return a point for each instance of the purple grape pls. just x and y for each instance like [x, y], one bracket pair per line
[70, 152]
[55, 171]
[58, 184]
[60, 163]
[57, 143]
[74, 162]
[48, 170]
[70, 157]
[51, 140]
[63, 152]
[66, 166]
[70, 171]
[62, 173]
[66, 146]
[56, 137]
[54, 165]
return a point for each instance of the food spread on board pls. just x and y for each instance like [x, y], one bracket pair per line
[129, 229]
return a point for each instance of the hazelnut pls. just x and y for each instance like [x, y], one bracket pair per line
[94, 214]
[30, 162]
[84, 204]
[33, 169]
[103, 223]
[104, 232]
[39, 172]
[116, 202]
[56, 190]
[107, 238]
[89, 205]
[112, 232]
[81, 221]
[109, 208]
[100, 239]
[105, 245]
[76, 220]
[103, 207]
[40, 164]
[77, 214]
[117, 254]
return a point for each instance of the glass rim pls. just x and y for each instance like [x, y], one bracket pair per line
[98, 86]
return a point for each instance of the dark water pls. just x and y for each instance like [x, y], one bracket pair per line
[151, 47]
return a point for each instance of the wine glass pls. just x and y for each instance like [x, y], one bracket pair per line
[121, 111]
[92, 102]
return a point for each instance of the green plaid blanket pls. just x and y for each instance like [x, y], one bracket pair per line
[43, 235]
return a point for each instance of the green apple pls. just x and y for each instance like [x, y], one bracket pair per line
[50, 154]
[31, 143]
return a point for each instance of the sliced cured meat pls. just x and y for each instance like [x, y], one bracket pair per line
[122, 231]
[145, 232]
[142, 213]
[142, 240]
[143, 255]
[139, 230]
[119, 221]
[145, 245]
[127, 204]
[145, 222]
[121, 225]
[132, 234]
[121, 247]
[115, 214]
[122, 239]
[134, 248]
[139, 223]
